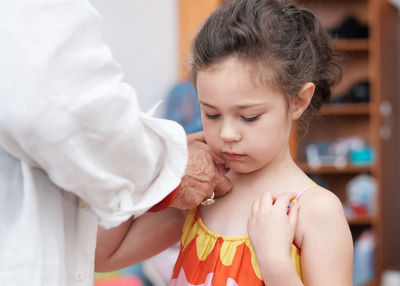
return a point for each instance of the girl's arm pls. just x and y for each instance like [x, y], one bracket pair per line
[327, 246]
[321, 231]
[137, 239]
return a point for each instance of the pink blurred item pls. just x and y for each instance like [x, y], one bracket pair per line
[130, 280]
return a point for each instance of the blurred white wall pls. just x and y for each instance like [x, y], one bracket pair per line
[143, 36]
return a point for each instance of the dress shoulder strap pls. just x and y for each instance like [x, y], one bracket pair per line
[305, 189]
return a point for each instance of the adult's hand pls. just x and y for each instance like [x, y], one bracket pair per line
[205, 174]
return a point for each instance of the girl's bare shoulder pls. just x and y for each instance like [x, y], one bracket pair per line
[321, 201]
[320, 209]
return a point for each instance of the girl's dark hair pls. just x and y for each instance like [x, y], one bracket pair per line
[275, 36]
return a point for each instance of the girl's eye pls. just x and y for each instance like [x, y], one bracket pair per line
[211, 116]
[251, 118]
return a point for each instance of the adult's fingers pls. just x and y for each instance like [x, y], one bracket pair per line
[219, 161]
[201, 144]
[223, 186]
[198, 136]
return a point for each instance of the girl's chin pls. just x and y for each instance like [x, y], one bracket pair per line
[239, 168]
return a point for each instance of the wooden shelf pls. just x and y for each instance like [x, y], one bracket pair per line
[356, 45]
[371, 283]
[335, 170]
[362, 220]
[346, 109]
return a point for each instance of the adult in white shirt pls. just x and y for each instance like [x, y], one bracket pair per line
[75, 149]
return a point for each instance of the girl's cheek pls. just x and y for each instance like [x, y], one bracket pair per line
[209, 133]
[212, 144]
[208, 139]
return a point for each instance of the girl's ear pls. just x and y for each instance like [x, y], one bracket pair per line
[302, 100]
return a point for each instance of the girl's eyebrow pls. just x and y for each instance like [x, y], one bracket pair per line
[249, 105]
[206, 104]
[241, 106]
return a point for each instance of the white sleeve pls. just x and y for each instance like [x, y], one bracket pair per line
[65, 109]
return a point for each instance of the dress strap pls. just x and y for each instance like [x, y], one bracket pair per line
[305, 189]
[294, 201]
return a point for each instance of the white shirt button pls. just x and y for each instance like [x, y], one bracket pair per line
[83, 205]
[79, 276]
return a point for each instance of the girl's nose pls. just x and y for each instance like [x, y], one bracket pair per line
[229, 133]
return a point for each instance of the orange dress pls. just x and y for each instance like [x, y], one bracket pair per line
[207, 258]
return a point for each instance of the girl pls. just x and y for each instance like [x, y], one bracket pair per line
[258, 65]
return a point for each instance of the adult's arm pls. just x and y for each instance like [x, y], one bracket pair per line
[64, 108]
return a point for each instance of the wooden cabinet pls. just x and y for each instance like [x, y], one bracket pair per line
[385, 60]
[344, 120]
[374, 59]
[191, 15]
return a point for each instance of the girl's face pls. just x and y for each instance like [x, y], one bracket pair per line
[245, 123]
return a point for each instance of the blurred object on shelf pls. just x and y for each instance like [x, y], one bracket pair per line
[130, 276]
[182, 106]
[391, 278]
[358, 93]
[343, 146]
[127, 280]
[350, 150]
[363, 156]
[320, 154]
[360, 196]
[158, 269]
[363, 267]
[349, 28]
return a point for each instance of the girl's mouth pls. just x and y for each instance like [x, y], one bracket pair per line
[233, 156]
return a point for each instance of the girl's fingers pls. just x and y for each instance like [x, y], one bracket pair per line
[283, 200]
[254, 208]
[280, 201]
[293, 214]
[262, 203]
[266, 199]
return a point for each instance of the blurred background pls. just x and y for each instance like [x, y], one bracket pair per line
[353, 148]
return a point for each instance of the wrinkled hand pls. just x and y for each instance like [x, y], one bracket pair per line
[271, 226]
[205, 173]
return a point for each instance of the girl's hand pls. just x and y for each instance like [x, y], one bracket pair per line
[271, 227]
